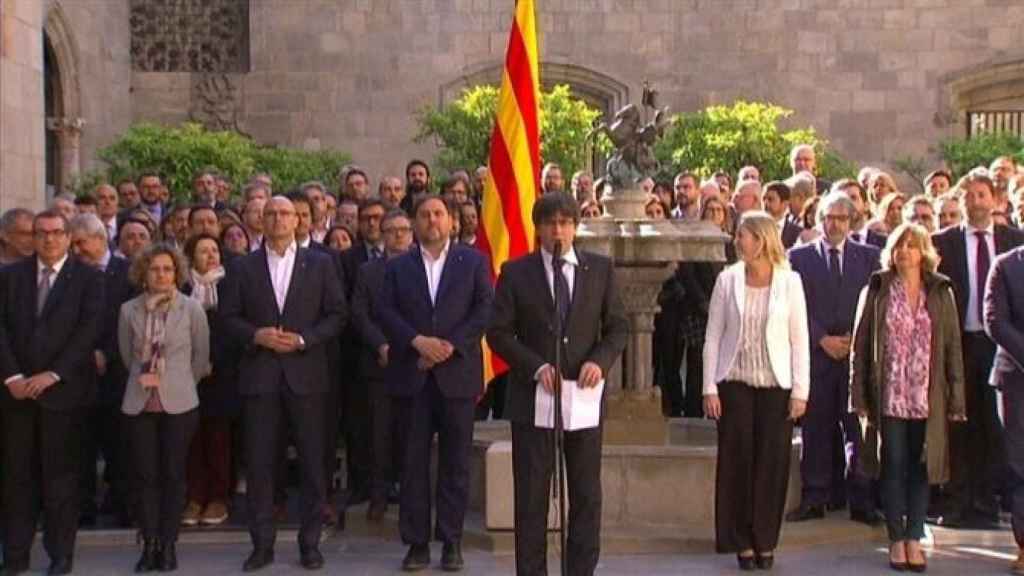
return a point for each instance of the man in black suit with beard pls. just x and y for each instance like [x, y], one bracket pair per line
[283, 304]
[966, 255]
[522, 332]
[51, 314]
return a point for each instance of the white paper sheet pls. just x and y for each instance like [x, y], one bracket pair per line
[581, 407]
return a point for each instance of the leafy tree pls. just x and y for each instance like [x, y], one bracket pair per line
[730, 137]
[462, 129]
[177, 153]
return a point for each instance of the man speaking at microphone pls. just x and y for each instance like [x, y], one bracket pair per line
[556, 282]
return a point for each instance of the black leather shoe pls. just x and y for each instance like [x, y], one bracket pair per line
[311, 559]
[61, 566]
[746, 563]
[417, 558]
[15, 567]
[451, 557]
[150, 559]
[764, 561]
[869, 517]
[804, 513]
[168, 558]
[259, 559]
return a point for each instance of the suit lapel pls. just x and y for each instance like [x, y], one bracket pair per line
[176, 314]
[416, 261]
[540, 280]
[454, 259]
[263, 269]
[60, 285]
[579, 289]
[294, 284]
[961, 262]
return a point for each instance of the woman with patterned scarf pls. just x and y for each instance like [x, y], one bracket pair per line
[164, 339]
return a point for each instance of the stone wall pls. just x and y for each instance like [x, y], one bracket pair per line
[22, 142]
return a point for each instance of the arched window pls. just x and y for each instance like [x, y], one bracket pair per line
[987, 98]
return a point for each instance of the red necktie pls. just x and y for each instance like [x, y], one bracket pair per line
[981, 271]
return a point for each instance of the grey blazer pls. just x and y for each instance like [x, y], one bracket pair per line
[187, 354]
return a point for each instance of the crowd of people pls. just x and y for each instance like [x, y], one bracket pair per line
[187, 344]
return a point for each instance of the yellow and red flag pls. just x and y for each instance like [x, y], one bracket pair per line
[513, 175]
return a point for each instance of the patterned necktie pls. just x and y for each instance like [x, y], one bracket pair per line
[44, 290]
[562, 296]
[833, 265]
[981, 272]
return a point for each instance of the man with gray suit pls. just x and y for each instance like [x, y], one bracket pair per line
[593, 337]
[1004, 323]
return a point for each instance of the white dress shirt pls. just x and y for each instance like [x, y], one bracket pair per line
[281, 267]
[972, 322]
[434, 268]
[568, 270]
[823, 249]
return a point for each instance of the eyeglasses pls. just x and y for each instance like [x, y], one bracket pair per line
[841, 219]
[397, 230]
[49, 233]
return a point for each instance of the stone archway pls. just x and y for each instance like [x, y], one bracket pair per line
[992, 91]
[63, 100]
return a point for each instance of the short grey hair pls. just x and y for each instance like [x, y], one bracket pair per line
[832, 200]
[305, 187]
[65, 196]
[88, 224]
[11, 217]
[802, 184]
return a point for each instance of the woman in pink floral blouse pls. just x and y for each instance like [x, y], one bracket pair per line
[906, 382]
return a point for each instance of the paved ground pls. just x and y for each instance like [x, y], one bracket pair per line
[365, 556]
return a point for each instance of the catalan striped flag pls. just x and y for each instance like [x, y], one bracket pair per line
[513, 177]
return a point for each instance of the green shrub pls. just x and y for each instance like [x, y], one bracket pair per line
[462, 129]
[730, 137]
[962, 154]
[177, 153]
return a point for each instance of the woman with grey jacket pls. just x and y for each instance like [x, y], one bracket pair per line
[907, 381]
[164, 338]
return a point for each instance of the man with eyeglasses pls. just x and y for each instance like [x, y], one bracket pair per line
[51, 314]
[834, 270]
[355, 396]
[387, 439]
[284, 374]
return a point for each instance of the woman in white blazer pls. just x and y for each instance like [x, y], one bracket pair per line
[756, 383]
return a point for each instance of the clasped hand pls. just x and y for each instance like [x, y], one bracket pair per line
[31, 387]
[837, 347]
[277, 339]
[432, 351]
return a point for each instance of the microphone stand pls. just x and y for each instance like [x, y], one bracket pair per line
[559, 425]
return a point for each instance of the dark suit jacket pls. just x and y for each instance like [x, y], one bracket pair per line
[365, 306]
[790, 234]
[62, 340]
[523, 331]
[460, 316]
[351, 261]
[314, 308]
[951, 245]
[118, 290]
[1004, 317]
[831, 313]
[873, 238]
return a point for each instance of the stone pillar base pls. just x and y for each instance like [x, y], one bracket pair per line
[635, 419]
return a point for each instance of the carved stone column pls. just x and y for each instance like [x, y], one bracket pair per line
[69, 138]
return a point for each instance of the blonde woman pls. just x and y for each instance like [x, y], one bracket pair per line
[164, 340]
[907, 381]
[756, 383]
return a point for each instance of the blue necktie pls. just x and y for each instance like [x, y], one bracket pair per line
[562, 296]
[833, 265]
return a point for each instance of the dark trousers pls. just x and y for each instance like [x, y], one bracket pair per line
[755, 440]
[831, 444]
[668, 358]
[358, 435]
[103, 432]
[388, 441]
[265, 416]
[209, 462]
[1013, 420]
[976, 452]
[904, 478]
[332, 409]
[693, 400]
[41, 465]
[160, 444]
[452, 420]
[532, 465]
[493, 403]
